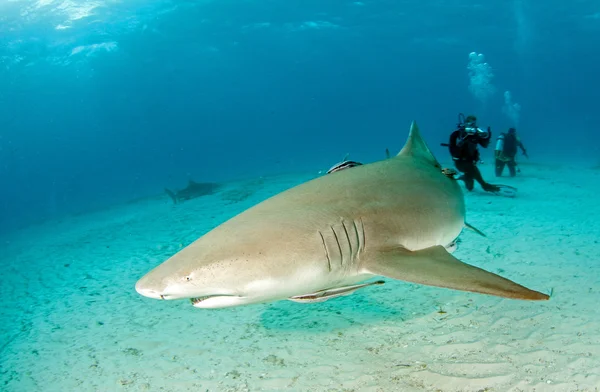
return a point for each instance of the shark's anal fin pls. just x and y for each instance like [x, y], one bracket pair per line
[436, 267]
[324, 295]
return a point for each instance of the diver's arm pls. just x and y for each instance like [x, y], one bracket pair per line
[522, 147]
[484, 137]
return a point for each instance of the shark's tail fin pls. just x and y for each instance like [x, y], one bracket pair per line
[172, 195]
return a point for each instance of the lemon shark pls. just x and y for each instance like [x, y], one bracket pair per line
[397, 218]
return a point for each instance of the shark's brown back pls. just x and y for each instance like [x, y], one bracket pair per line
[404, 197]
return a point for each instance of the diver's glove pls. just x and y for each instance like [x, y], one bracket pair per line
[525, 154]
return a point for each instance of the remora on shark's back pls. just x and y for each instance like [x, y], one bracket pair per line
[325, 238]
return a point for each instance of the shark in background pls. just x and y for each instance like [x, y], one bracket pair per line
[192, 191]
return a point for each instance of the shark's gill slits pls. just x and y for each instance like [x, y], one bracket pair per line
[326, 251]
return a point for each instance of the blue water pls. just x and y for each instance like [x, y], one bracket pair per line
[107, 102]
[104, 102]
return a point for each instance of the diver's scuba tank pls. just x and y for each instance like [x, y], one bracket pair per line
[500, 143]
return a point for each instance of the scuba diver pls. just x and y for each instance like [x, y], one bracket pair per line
[463, 146]
[506, 150]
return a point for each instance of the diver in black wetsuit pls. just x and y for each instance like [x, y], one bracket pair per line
[506, 152]
[464, 142]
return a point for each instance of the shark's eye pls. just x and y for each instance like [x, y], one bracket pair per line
[188, 278]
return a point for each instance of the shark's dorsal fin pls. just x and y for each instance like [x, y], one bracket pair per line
[191, 182]
[415, 146]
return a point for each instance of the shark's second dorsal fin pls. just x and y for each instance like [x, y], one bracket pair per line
[415, 146]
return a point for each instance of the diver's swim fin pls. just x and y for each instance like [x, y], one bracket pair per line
[506, 190]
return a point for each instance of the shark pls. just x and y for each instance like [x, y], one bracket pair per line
[397, 218]
[192, 191]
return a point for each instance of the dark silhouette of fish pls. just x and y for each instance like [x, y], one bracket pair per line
[193, 190]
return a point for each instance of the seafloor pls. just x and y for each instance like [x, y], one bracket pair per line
[72, 321]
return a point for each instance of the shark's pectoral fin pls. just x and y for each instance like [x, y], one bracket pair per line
[324, 295]
[436, 267]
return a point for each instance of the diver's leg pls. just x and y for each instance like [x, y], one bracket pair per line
[466, 173]
[469, 178]
[469, 183]
[512, 168]
[486, 186]
[499, 167]
[458, 166]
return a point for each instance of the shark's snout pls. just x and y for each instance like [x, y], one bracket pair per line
[149, 292]
[151, 287]
[156, 286]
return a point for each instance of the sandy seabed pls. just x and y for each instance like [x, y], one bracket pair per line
[72, 321]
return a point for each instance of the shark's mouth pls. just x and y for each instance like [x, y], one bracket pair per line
[197, 300]
[217, 297]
